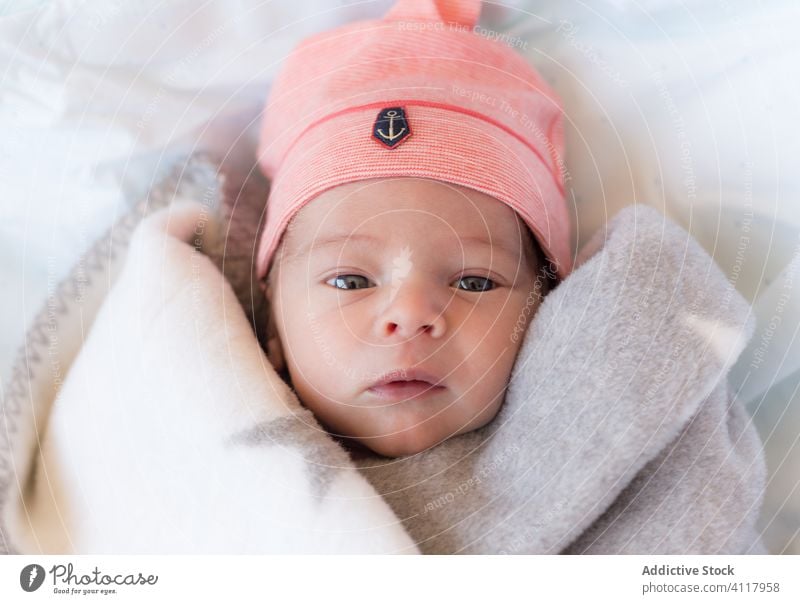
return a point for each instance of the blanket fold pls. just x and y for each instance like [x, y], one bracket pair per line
[169, 436]
[166, 429]
[618, 397]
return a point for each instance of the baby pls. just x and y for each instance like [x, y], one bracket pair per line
[393, 304]
[415, 221]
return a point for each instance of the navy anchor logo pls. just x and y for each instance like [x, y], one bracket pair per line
[391, 126]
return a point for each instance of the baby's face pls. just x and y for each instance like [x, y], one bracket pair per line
[388, 275]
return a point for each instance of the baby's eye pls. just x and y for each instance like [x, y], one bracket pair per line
[477, 284]
[347, 282]
[351, 282]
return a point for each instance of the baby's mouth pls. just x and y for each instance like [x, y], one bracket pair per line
[402, 384]
[401, 390]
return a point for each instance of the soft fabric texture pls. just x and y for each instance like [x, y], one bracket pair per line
[416, 93]
[144, 417]
[169, 434]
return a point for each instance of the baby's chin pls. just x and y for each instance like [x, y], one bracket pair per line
[399, 445]
[410, 441]
[404, 429]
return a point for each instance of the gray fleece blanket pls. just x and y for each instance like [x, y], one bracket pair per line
[619, 433]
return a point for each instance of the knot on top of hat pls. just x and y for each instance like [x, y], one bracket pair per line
[463, 12]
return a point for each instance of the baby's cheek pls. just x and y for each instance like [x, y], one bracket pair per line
[506, 321]
[333, 353]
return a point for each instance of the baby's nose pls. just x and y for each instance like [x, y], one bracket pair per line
[412, 311]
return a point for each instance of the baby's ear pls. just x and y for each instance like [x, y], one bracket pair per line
[275, 353]
[274, 346]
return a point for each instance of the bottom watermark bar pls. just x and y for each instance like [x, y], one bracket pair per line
[405, 579]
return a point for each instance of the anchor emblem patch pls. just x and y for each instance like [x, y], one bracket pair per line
[391, 126]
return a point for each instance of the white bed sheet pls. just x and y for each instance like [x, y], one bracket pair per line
[689, 107]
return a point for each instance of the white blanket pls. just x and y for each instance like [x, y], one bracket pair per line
[169, 434]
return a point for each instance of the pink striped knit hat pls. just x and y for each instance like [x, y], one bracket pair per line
[417, 93]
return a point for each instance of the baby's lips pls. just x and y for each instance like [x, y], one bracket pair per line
[407, 375]
[404, 390]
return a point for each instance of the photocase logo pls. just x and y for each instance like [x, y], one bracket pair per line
[66, 581]
[31, 577]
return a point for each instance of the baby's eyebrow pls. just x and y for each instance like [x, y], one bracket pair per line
[329, 240]
[497, 245]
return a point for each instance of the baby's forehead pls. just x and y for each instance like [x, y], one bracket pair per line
[396, 202]
[463, 242]
[422, 228]
[391, 212]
